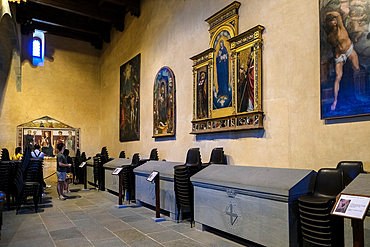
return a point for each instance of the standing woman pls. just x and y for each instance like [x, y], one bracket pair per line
[17, 154]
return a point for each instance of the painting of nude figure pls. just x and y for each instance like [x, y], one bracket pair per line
[344, 58]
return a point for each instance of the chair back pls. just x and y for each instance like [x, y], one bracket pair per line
[154, 154]
[350, 170]
[135, 160]
[122, 154]
[217, 156]
[329, 182]
[5, 155]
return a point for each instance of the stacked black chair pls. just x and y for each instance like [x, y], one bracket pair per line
[98, 171]
[27, 182]
[316, 224]
[129, 175]
[122, 154]
[6, 175]
[2, 197]
[184, 190]
[5, 155]
[350, 170]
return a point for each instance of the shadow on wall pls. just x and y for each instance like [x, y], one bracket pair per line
[8, 41]
[257, 133]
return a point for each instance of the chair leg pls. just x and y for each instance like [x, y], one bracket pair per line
[36, 202]
[8, 200]
[178, 213]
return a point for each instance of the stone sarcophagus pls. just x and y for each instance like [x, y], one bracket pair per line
[145, 191]
[258, 204]
[112, 181]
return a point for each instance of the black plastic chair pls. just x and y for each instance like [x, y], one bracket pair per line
[6, 176]
[122, 154]
[316, 225]
[5, 155]
[184, 191]
[217, 157]
[97, 170]
[350, 170]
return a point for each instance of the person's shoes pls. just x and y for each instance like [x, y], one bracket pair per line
[48, 186]
[65, 196]
[43, 194]
[68, 192]
[61, 198]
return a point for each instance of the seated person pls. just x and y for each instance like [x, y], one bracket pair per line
[37, 153]
[18, 154]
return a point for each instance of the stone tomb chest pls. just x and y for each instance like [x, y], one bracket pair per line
[258, 204]
[145, 191]
[112, 181]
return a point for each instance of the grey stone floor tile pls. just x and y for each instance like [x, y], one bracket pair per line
[78, 215]
[210, 239]
[86, 225]
[31, 232]
[102, 217]
[72, 232]
[92, 209]
[7, 235]
[147, 226]
[133, 218]
[111, 242]
[74, 242]
[98, 234]
[45, 242]
[182, 228]
[83, 202]
[120, 212]
[166, 236]
[116, 225]
[130, 235]
[183, 243]
[145, 243]
[59, 225]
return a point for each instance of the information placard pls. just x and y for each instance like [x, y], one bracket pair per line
[82, 164]
[351, 206]
[117, 171]
[152, 176]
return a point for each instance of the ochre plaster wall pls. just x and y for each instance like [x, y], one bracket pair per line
[169, 32]
[66, 88]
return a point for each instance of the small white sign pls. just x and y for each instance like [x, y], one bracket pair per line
[82, 164]
[152, 176]
[117, 171]
[351, 206]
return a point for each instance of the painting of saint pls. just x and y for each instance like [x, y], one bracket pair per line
[245, 96]
[164, 103]
[344, 58]
[202, 93]
[222, 92]
[129, 100]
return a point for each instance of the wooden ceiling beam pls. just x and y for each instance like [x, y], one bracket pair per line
[88, 10]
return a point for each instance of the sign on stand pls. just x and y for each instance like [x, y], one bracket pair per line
[154, 176]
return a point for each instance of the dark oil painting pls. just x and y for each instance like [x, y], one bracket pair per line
[245, 86]
[202, 92]
[129, 122]
[164, 103]
[344, 58]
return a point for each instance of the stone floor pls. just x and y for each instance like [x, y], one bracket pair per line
[91, 219]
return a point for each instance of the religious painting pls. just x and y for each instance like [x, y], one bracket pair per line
[344, 58]
[202, 93]
[164, 107]
[245, 82]
[47, 133]
[227, 77]
[129, 122]
[222, 89]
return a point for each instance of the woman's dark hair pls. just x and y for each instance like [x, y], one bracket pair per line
[18, 150]
[37, 146]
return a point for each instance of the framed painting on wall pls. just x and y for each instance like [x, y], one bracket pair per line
[344, 58]
[129, 122]
[164, 103]
[227, 77]
[48, 132]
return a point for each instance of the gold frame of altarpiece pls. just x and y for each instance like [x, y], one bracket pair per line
[216, 107]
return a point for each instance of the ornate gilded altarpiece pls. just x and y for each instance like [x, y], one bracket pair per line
[48, 132]
[164, 103]
[227, 77]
